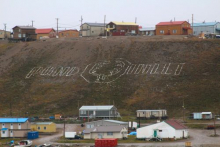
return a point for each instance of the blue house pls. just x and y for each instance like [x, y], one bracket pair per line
[206, 28]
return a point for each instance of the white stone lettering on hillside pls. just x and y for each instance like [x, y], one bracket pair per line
[108, 71]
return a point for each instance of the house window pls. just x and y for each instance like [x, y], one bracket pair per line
[174, 31]
[92, 31]
[62, 34]
[19, 35]
[24, 35]
[11, 131]
[161, 31]
[113, 26]
[110, 133]
[11, 124]
[3, 124]
[83, 112]
[143, 112]
[160, 131]
[19, 30]
[45, 128]
[3, 132]
[38, 128]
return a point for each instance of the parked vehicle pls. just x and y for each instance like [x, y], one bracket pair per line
[24, 143]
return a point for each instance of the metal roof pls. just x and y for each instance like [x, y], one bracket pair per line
[44, 31]
[95, 24]
[116, 121]
[42, 123]
[125, 23]
[13, 120]
[150, 110]
[170, 23]
[175, 124]
[147, 29]
[103, 107]
[204, 24]
[104, 129]
[25, 27]
[206, 112]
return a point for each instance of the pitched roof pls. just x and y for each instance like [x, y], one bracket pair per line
[204, 24]
[25, 27]
[13, 120]
[44, 31]
[104, 129]
[124, 23]
[170, 23]
[103, 107]
[95, 24]
[175, 124]
[42, 123]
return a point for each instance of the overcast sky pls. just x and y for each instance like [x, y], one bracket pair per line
[148, 12]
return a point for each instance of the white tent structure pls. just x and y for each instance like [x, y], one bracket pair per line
[165, 129]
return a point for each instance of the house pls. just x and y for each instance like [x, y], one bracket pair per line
[58, 116]
[152, 114]
[41, 33]
[20, 32]
[173, 28]
[122, 28]
[46, 127]
[106, 122]
[14, 127]
[206, 28]
[103, 111]
[92, 29]
[68, 33]
[163, 130]
[202, 115]
[119, 132]
[149, 31]
[5, 34]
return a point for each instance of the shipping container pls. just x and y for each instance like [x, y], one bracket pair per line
[33, 135]
[111, 142]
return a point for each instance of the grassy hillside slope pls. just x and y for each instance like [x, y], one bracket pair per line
[54, 76]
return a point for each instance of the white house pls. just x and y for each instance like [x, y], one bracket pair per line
[165, 129]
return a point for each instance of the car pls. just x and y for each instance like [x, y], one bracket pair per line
[218, 118]
[78, 137]
[217, 36]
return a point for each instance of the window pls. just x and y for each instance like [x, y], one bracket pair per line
[109, 133]
[3, 132]
[19, 35]
[83, 112]
[92, 31]
[19, 30]
[24, 35]
[38, 128]
[3, 124]
[174, 31]
[161, 31]
[113, 26]
[45, 128]
[160, 131]
[19, 124]
[11, 131]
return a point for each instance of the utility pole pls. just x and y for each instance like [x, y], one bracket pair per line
[32, 23]
[5, 35]
[135, 19]
[192, 24]
[57, 25]
[64, 127]
[81, 26]
[105, 31]
[174, 18]
[183, 111]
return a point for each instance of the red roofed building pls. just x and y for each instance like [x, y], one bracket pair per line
[173, 28]
[41, 33]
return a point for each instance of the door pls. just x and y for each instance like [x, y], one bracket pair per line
[19, 126]
[11, 133]
[155, 133]
[11, 126]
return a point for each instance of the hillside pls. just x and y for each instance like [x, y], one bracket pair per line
[54, 76]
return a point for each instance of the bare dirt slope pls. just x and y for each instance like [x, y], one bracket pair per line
[54, 76]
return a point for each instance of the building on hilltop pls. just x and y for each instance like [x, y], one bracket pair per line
[122, 28]
[68, 33]
[173, 28]
[92, 29]
[20, 32]
[5, 34]
[152, 114]
[148, 31]
[206, 28]
[49, 33]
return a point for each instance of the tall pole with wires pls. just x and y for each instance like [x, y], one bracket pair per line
[5, 35]
[105, 31]
[81, 27]
[192, 24]
[32, 23]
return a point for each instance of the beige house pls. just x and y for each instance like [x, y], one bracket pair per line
[150, 114]
[119, 132]
[2, 34]
[92, 29]
[14, 127]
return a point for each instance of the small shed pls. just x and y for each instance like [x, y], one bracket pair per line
[58, 116]
[202, 115]
[46, 127]
[4, 132]
[33, 135]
